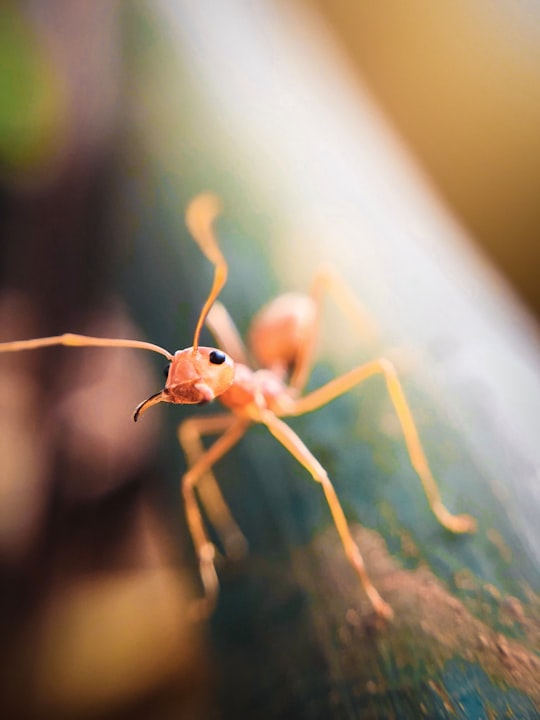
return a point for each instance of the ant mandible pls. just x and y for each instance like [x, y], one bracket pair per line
[282, 341]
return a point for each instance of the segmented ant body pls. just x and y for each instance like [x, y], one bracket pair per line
[282, 340]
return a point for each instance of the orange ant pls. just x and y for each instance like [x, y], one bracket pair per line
[282, 340]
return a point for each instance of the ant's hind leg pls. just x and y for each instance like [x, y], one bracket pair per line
[340, 385]
[290, 440]
[328, 282]
[210, 496]
[203, 546]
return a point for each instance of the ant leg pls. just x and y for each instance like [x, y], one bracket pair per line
[328, 281]
[341, 385]
[210, 496]
[222, 327]
[290, 440]
[204, 548]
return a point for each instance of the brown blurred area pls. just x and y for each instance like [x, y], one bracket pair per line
[460, 81]
[93, 602]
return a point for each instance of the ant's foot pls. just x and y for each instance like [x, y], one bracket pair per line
[380, 606]
[383, 610]
[202, 608]
[458, 524]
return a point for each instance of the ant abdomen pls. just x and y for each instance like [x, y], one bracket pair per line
[281, 329]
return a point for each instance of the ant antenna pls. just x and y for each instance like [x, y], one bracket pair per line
[74, 340]
[200, 215]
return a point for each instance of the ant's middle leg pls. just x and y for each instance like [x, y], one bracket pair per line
[344, 383]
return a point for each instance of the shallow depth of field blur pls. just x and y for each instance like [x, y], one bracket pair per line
[398, 142]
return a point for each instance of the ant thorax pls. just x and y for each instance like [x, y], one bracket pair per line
[262, 388]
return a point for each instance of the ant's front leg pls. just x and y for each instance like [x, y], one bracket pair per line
[203, 546]
[190, 434]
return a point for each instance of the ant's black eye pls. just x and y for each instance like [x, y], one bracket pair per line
[166, 370]
[217, 357]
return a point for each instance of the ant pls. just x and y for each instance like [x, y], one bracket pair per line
[282, 341]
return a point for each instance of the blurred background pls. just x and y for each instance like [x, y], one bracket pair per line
[460, 84]
[398, 142]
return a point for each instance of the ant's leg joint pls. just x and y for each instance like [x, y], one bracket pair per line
[207, 553]
[203, 607]
[387, 367]
[455, 523]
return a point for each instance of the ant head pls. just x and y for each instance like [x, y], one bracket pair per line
[195, 376]
[198, 375]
